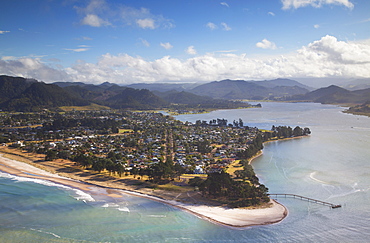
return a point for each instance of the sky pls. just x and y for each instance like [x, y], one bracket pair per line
[148, 41]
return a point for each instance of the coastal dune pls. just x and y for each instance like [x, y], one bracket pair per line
[237, 218]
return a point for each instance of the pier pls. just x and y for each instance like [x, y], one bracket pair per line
[306, 199]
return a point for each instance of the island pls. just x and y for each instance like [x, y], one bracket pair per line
[203, 168]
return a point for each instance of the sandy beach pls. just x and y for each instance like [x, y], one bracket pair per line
[236, 218]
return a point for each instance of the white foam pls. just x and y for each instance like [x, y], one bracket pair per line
[157, 216]
[312, 176]
[83, 196]
[110, 205]
[45, 232]
[116, 206]
[5, 175]
[124, 209]
[80, 195]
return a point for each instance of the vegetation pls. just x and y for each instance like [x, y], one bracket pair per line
[91, 107]
[19, 94]
[141, 144]
[252, 90]
[36, 96]
[333, 95]
[151, 146]
[235, 193]
[363, 109]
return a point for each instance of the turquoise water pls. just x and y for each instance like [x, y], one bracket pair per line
[331, 165]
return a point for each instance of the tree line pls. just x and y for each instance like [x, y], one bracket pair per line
[287, 132]
[243, 191]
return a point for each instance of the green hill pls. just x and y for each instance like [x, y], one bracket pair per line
[40, 96]
[334, 95]
[190, 100]
[363, 109]
[240, 89]
[135, 99]
[11, 87]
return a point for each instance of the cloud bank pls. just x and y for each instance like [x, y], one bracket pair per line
[327, 57]
[288, 4]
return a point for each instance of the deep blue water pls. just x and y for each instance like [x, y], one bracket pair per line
[333, 165]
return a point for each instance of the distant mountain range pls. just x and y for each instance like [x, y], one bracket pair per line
[20, 94]
[357, 84]
[163, 87]
[334, 95]
[234, 89]
[254, 90]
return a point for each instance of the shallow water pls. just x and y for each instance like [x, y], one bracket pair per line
[333, 165]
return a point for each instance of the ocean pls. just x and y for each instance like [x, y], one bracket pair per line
[333, 165]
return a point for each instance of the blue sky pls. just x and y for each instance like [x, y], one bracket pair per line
[131, 41]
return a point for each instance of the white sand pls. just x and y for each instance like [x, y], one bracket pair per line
[240, 217]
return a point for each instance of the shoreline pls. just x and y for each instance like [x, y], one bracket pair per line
[236, 218]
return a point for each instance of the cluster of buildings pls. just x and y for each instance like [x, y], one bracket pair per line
[133, 139]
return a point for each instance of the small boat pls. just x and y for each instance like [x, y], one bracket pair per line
[336, 206]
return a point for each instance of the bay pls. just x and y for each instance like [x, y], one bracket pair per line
[330, 165]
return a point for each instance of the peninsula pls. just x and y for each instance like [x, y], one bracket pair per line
[202, 168]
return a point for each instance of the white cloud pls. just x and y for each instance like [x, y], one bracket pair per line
[99, 13]
[191, 50]
[266, 44]
[96, 5]
[316, 26]
[224, 4]
[32, 68]
[225, 26]
[166, 45]
[77, 49]
[211, 26]
[288, 4]
[94, 21]
[365, 20]
[143, 18]
[339, 51]
[6, 58]
[146, 23]
[226, 51]
[84, 38]
[326, 57]
[4, 31]
[271, 13]
[145, 42]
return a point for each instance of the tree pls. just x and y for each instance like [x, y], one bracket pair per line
[297, 131]
[204, 146]
[178, 170]
[217, 184]
[118, 167]
[241, 124]
[306, 131]
[196, 181]
[51, 155]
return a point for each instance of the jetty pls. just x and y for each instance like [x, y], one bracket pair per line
[305, 199]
